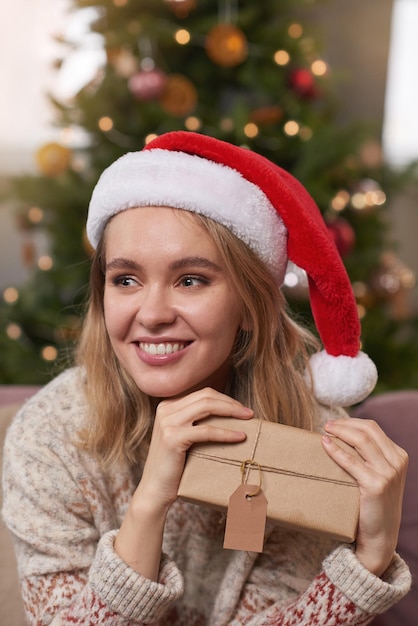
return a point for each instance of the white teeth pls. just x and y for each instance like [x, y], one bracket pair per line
[161, 348]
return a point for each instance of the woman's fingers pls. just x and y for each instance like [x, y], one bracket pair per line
[185, 437]
[202, 404]
[370, 442]
[364, 435]
[181, 422]
[379, 467]
[379, 462]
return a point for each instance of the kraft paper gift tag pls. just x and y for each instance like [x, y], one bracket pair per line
[246, 519]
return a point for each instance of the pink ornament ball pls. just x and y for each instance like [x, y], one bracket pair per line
[147, 85]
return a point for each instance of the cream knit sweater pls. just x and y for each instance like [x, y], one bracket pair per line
[64, 512]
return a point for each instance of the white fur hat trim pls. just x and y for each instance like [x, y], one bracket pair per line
[179, 180]
[342, 380]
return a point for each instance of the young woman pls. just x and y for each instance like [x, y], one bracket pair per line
[186, 320]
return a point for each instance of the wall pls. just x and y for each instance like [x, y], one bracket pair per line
[356, 36]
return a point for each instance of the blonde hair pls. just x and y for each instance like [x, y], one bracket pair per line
[269, 358]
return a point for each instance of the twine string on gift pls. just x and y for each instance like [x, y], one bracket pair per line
[248, 463]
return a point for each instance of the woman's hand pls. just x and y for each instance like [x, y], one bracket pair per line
[179, 423]
[380, 473]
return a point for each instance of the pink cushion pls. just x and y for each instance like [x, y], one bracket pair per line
[11, 394]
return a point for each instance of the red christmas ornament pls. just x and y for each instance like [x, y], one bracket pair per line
[147, 85]
[302, 82]
[343, 235]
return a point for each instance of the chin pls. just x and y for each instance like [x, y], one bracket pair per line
[165, 391]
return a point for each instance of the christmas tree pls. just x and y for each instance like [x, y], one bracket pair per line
[247, 72]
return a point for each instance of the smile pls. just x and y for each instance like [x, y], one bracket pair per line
[161, 348]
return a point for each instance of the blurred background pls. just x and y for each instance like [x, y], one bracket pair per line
[324, 88]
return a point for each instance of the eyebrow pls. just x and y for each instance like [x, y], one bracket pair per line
[194, 261]
[183, 263]
[121, 263]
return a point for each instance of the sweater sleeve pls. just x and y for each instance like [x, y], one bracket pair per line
[120, 587]
[343, 594]
[110, 593]
[64, 535]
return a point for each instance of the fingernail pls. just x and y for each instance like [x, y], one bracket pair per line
[326, 439]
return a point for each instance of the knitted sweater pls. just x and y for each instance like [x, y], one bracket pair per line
[64, 511]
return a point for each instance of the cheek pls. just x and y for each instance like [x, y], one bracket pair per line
[224, 323]
[115, 316]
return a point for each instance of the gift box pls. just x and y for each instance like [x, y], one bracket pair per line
[305, 489]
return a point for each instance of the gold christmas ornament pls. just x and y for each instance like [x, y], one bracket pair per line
[226, 45]
[179, 97]
[53, 159]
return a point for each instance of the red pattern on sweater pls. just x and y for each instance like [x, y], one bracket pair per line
[335, 611]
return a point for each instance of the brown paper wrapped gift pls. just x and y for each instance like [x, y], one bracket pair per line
[304, 487]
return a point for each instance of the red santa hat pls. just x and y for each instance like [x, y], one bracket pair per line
[272, 213]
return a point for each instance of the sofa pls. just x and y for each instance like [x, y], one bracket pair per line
[397, 412]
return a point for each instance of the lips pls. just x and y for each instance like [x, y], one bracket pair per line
[161, 349]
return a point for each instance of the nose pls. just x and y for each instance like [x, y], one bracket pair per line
[155, 307]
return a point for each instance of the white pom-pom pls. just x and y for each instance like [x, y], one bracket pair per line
[342, 380]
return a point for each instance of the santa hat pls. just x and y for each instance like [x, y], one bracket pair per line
[272, 213]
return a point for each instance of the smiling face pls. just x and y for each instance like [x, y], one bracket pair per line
[170, 310]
